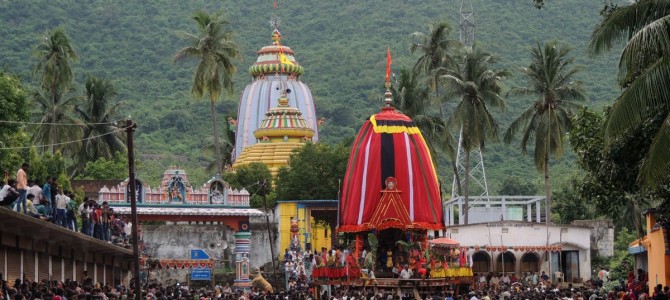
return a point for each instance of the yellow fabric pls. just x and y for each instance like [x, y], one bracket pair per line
[392, 129]
[284, 60]
[451, 272]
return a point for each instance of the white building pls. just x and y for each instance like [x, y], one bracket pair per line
[527, 248]
[508, 234]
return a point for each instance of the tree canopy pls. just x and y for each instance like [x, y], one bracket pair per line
[314, 173]
[13, 108]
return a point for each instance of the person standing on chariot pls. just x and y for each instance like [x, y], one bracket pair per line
[389, 259]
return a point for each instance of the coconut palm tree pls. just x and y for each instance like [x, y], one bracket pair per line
[59, 123]
[99, 114]
[479, 88]
[644, 72]
[412, 99]
[548, 119]
[54, 54]
[434, 47]
[214, 50]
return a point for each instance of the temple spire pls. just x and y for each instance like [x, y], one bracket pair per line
[388, 96]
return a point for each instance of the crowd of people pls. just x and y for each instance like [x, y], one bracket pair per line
[298, 267]
[87, 289]
[51, 202]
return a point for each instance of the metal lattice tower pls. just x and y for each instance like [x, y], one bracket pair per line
[478, 185]
[467, 23]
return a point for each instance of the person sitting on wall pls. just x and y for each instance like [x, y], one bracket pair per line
[30, 208]
[8, 193]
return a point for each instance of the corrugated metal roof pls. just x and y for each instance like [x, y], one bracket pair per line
[190, 211]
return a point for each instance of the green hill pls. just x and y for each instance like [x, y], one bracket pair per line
[342, 45]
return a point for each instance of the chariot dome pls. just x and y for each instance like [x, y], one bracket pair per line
[390, 180]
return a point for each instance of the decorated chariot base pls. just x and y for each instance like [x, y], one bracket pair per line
[383, 266]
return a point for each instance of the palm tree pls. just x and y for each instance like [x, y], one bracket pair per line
[59, 124]
[98, 114]
[479, 87]
[548, 119]
[434, 48]
[644, 72]
[54, 55]
[214, 49]
[412, 98]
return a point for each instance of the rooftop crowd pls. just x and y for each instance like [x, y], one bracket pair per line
[47, 200]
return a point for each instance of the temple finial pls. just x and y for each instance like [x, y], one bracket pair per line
[275, 22]
[388, 96]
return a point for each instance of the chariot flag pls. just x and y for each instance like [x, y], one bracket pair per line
[388, 64]
[284, 60]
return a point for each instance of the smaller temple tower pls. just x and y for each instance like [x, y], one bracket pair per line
[282, 130]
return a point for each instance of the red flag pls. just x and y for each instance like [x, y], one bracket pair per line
[388, 64]
[275, 4]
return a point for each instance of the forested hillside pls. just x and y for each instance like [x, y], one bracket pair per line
[341, 44]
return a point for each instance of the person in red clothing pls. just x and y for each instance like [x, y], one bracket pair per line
[96, 217]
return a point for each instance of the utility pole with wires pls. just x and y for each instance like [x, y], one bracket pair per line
[130, 129]
[267, 223]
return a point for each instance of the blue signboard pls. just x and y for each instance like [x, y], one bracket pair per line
[201, 274]
[199, 254]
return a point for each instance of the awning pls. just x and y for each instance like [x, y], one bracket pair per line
[13, 223]
[637, 250]
[189, 211]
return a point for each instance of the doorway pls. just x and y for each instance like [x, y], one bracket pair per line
[530, 262]
[566, 262]
[481, 262]
[570, 264]
[506, 262]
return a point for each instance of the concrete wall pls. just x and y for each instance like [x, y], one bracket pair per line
[602, 236]
[259, 253]
[512, 234]
[176, 240]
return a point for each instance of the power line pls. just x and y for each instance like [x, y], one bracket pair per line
[61, 124]
[64, 143]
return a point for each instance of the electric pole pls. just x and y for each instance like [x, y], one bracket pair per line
[130, 128]
[267, 223]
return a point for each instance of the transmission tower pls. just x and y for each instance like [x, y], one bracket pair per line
[478, 185]
[467, 23]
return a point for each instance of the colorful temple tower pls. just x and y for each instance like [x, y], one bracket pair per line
[276, 74]
[282, 130]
